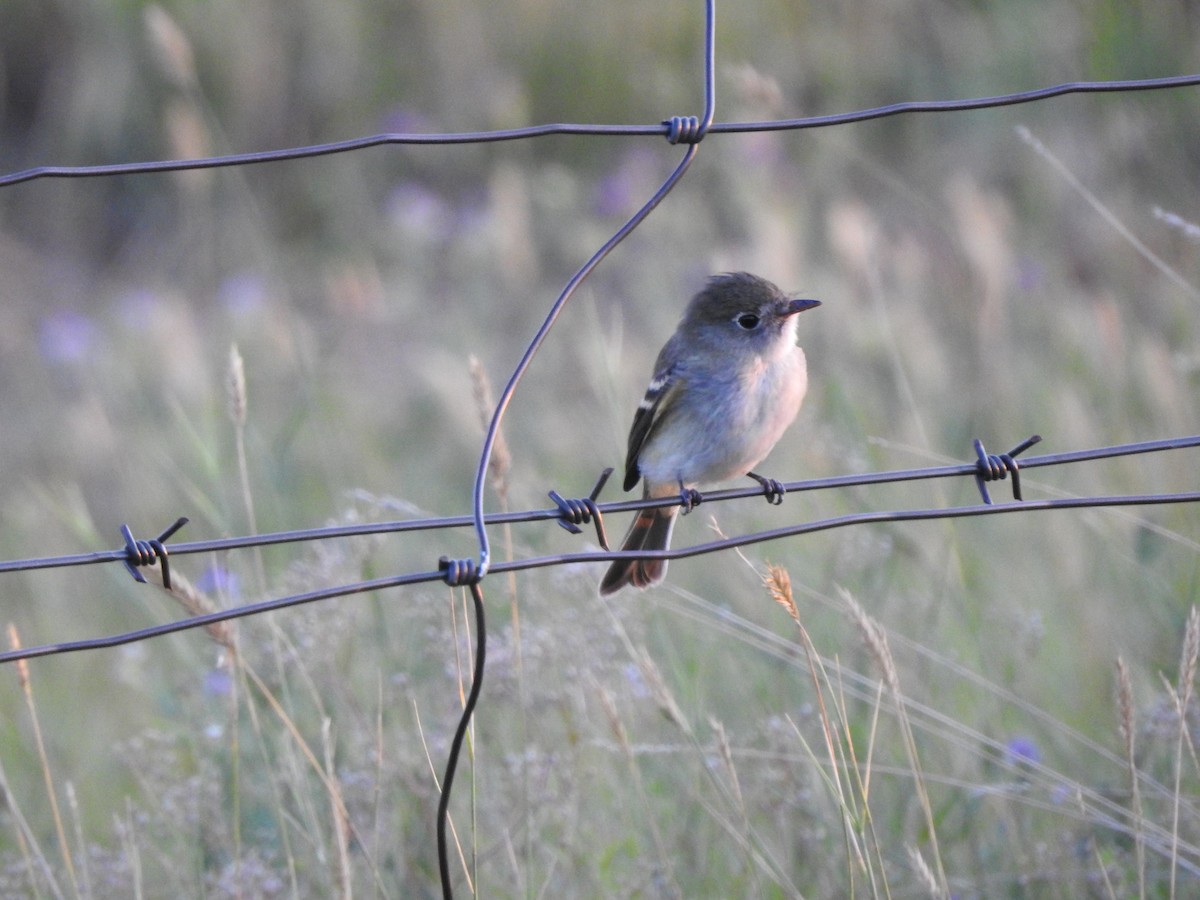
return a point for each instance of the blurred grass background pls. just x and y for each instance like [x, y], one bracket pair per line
[970, 291]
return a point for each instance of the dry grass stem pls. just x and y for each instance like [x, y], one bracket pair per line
[437, 783]
[740, 552]
[1127, 727]
[842, 774]
[617, 726]
[875, 639]
[33, 858]
[341, 829]
[85, 873]
[501, 461]
[333, 790]
[845, 779]
[196, 603]
[127, 830]
[1105, 213]
[924, 873]
[64, 848]
[1183, 696]
[238, 406]
[659, 690]
[614, 721]
[726, 753]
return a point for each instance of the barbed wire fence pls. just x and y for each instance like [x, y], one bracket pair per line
[573, 514]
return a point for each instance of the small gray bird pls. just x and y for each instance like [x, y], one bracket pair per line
[726, 386]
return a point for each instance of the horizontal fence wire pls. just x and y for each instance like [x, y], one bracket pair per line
[596, 556]
[662, 129]
[400, 526]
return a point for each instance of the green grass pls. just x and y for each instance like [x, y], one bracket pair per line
[913, 709]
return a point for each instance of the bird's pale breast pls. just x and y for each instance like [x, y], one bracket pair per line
[736, 422]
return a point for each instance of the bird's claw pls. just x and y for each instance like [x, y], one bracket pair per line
[772, 488]
[690, 498]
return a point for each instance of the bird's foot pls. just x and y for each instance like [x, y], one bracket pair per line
[772, 489]
[690, 498]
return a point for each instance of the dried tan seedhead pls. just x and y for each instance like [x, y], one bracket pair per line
[196, 603]
[235, 383]
[1125, 706]
[14, 643]
[779, 583]
[924, 873]
[659, 690]
[875, 639]
[614, 719]
[1127, 713]
[726, 752]
[1187, 662]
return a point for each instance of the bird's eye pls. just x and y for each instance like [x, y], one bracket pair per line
[748, 321]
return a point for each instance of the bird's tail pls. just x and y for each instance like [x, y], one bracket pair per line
[651, 530]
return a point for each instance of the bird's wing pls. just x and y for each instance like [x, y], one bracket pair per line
[658, 399]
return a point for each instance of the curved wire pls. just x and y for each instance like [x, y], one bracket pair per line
[507, 394]
[453, 571]
[460, 733]
[510, 388]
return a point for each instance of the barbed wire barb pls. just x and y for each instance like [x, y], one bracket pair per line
[996, 468]
[581, 511]
[146, 553]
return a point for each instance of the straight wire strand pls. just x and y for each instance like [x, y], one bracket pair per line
[536, 131]
[587, 268]
[541, 515]
[541, 562]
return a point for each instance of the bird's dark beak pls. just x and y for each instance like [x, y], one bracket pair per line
[798, 305]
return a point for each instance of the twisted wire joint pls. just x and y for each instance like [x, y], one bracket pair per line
[683, 130]
[989, 467]
[459, 572]
[145, 553]
[576, 512]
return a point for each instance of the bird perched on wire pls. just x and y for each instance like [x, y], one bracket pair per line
[726, 385]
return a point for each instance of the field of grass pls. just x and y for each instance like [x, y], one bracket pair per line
[1001, 707]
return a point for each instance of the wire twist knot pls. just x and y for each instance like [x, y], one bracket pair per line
[582, 511]
[683, 130]
[990, 467]
[146, 553]
[459, 572]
